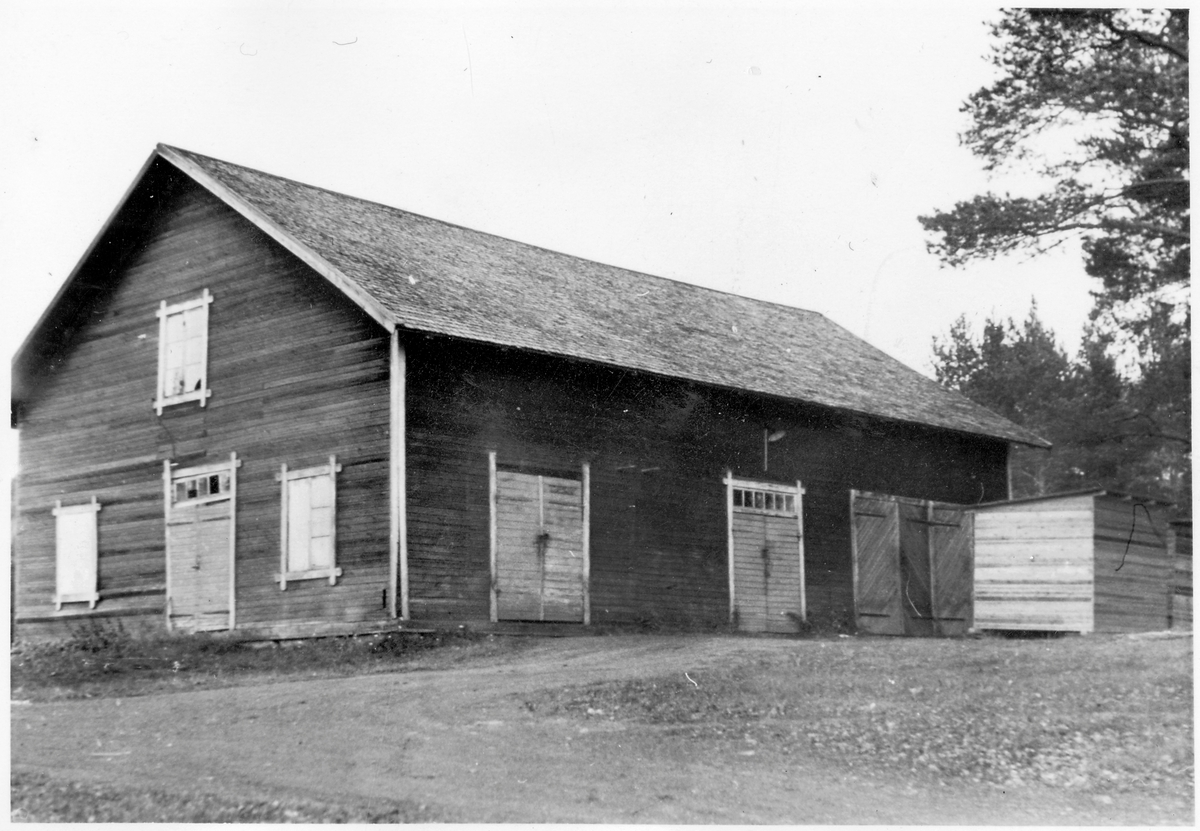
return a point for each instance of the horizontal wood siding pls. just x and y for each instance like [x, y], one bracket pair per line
[1033, 566]
[1133, 567]
[658, 451]
[297, 373]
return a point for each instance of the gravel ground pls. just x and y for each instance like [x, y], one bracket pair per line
[690, 729]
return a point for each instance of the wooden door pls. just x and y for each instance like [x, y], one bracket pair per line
[767, 557]
[952, 542]
[916, 569]
[539, 548]
[200, 539]
[913, 566]
[876, 544]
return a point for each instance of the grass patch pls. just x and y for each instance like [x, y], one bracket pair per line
[1094, 714]
[103, 661]
[39, 798]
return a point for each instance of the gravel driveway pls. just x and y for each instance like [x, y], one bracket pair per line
[463, 741]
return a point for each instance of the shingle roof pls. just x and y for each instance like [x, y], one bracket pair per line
[432, 276]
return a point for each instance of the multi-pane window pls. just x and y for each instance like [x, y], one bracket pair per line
[206, 487]
[769, 502]
[76, 549]
[183, 352]
[308, 548]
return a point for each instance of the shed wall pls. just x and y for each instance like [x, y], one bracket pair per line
[1133, 568]
[1034, 567]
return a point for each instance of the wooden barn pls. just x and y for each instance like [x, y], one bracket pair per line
[262, 406]
[1092, 561]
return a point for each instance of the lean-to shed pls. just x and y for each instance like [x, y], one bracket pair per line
[1091, 561]
[264, 406]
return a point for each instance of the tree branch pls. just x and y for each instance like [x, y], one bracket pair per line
[1144, 38]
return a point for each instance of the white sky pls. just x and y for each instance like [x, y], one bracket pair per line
[778, 150]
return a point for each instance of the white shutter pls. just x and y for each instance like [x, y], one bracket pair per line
[299, 515]
[308, 536]
[76, 550]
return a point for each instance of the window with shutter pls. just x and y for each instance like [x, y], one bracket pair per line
[76, 549]
[183, 352]
[308, 533]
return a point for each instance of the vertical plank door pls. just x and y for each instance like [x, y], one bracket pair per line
[952, 540]
[562, 564]
[198, 549]
[876, 554]
[916, 584]
[539, 548]
[200, 506]
[767, 571]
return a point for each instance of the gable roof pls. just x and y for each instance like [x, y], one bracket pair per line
[417, 273]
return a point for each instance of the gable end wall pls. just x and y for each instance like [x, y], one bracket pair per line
[297, 373]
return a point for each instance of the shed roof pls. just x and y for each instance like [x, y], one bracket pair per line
[422, 274]
[1093, 492]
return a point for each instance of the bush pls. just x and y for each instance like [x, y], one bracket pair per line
[97, 636]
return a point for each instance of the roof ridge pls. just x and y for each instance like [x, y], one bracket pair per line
[367, 246]
[554, 251]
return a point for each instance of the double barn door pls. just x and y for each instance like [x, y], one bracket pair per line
[200, 504]
[766, 556]
[540, 568]
[913, 566]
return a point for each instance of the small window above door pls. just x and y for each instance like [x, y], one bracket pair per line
[764, 501]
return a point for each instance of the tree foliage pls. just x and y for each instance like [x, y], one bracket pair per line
[1095, 103]
[1083, 405]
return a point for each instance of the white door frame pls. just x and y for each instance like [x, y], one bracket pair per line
[169, 478]
[797, 491]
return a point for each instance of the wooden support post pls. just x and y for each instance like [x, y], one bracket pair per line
[334, 468]
[166, 549]
[284, 527]
[729, 541]
[1008, 466]
[233, 467]
[800, 523]
[587, 544]
[854, 557]
[541, 549]
[398, 538]
[492, 540]
[929, 532]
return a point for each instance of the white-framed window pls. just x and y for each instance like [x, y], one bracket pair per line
[183, 352]
[308, 536]
[206, 486]
[76, 550]
[764, 501]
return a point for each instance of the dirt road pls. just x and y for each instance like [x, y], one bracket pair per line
[463, 741]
